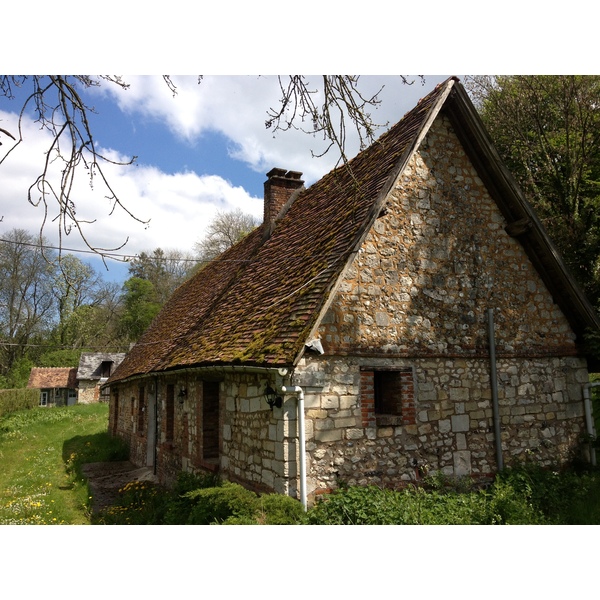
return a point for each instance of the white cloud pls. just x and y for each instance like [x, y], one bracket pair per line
[178, 206]
[237, 107]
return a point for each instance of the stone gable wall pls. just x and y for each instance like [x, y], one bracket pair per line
[88, 392]
[417, 297]
[434, 263]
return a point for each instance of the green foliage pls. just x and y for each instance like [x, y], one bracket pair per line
[165, 270]
[277, 509]
[181, 504]
[59, 358]
[230, 503]
[524, 496]
[18, 375]
[15, 400]
[140, 307]
[547, 130]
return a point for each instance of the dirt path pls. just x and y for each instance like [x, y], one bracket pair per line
[105, 479]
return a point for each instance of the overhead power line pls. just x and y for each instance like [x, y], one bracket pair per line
[116, 256]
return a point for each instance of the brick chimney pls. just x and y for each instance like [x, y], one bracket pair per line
[279, 187]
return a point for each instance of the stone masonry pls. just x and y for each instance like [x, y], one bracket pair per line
[417, 297]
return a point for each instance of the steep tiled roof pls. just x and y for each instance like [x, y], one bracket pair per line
[257, 304]
[53, 377]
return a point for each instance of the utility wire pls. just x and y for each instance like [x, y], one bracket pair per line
[119, 257]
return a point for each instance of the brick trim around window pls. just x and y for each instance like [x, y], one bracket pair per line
[387, 397]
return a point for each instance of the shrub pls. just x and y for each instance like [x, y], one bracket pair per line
[18, 399]
[180, 502]
[363, 506]
[276, 509]
[218, 504]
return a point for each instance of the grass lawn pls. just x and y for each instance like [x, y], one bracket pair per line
[41, 452]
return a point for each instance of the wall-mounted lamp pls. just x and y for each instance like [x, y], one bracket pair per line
[272, 398]
[182, 394]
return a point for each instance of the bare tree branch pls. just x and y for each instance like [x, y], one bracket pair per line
[59, 108]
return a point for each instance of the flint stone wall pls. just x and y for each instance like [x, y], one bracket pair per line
[540, 407]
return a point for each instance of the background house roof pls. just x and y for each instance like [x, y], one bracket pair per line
[259, 302]
[53, 377]
[90, 363]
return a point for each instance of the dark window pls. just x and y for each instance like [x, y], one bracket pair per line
[210, 419]
[141, 408]
[387, 397]
[388, 392]
[106, 368]
[170, 413]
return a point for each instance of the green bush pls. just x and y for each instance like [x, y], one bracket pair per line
[18, 399]
[218, 504]
[365, 506]
[180, 503]
[525, 495]
[276, 509]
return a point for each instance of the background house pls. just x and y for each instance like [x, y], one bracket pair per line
[406, 314]
[94, 369]
[57, 385]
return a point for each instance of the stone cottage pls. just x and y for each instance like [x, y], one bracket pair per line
[94, 370]
[404, 315]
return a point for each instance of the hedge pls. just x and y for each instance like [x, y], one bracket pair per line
[19, 399]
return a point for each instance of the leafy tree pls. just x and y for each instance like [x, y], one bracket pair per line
[74, 285]
[225, 230]
[59, 358]
[140, 307]
[27, 307]
[547, 131]
[165, 270]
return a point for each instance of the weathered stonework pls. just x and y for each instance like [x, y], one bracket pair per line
[541, 419]
[417, 296]
[88, 392]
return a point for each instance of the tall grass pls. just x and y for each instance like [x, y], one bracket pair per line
[41, 452]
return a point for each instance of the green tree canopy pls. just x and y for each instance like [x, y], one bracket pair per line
[140, 307]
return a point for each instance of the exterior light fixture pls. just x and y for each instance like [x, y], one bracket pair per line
[272, 398]
[182, 394]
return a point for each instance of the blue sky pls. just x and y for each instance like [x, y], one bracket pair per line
[204, 150]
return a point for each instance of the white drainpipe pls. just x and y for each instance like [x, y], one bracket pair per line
[300, 393]
[591, 429]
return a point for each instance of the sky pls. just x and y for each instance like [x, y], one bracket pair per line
[200, 151]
